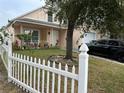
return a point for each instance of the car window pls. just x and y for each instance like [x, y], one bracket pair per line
[93, 42]
[114, 43]
[102, 42]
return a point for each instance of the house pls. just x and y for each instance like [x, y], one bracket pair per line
[44, 28]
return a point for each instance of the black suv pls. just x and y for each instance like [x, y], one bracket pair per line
[108, 48]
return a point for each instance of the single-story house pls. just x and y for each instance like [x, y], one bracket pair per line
[45, 28]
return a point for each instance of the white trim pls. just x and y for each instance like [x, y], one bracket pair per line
[52, 37]
[39, 32]
[57, 26]
[21, 29]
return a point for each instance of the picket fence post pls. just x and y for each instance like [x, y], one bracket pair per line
[83, 69]
[9, 60]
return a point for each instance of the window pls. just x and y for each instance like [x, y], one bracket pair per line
[27, 35]
[102, 42]
[32, 36]
[50, 17]
[114, 43]
[35, 36]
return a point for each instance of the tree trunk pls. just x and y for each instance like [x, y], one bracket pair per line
[69, 40]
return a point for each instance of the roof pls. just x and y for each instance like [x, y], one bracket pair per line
[29, 12]
[34, 21]
[11, 21]
[38, 22]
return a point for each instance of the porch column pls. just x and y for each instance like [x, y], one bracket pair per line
[21, 29]
[52, 37]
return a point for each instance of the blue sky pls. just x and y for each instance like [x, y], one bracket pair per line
[10, 9]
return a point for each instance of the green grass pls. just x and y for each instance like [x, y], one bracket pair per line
[4, 57]
[43, 53]
[104, 77]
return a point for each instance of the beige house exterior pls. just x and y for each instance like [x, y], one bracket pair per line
[44, 28]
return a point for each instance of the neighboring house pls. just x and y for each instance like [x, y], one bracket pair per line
[44, 28]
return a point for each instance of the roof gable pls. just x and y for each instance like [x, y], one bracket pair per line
[35, 14]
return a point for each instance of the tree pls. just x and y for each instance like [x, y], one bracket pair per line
[98, 14]
[24, 37]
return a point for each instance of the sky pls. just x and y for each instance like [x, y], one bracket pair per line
[10, 9]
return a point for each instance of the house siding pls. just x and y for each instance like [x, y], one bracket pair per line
[43, 37]
[76, 37]
[38, 15]
[62, 39]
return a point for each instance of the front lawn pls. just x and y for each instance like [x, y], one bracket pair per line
[104, 77]
[43, 53]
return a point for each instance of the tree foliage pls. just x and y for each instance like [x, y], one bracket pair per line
[104, 15]
[24, 37]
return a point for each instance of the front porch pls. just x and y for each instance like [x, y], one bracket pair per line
[41, 35]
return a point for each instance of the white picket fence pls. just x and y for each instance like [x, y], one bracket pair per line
[40, 76]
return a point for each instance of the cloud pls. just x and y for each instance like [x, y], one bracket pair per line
[10, 9]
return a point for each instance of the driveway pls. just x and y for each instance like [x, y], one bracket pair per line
[6, 87]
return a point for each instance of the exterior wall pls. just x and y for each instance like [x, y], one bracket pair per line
[76, 38]
[38, 15]
[10, 29]
[43, 37]
[17, 30]
[62, 39]
[53, 37]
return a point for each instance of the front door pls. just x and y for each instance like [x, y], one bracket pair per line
[55, 38]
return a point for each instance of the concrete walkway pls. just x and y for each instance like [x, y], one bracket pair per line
[6, 87]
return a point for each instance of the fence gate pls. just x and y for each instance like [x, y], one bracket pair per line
[40, 76]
